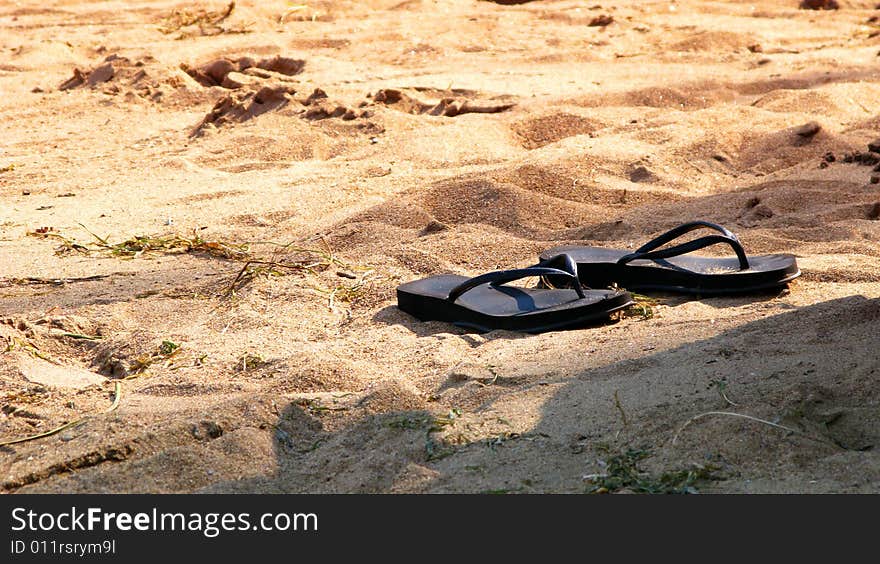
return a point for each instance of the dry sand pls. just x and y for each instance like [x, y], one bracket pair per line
[417, 137]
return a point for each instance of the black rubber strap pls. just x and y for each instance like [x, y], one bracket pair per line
[543, 268]
[688, 247]
[677, 232]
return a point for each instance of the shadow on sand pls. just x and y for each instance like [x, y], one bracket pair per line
[813, 370]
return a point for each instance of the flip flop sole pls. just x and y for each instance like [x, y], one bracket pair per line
[598, 267]
[707, 290]
[488, 307]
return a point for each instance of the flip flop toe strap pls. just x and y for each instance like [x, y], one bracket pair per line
[568, 269]
[682, 229]
[647, 251]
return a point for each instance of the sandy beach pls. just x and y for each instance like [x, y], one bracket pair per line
[205, 209]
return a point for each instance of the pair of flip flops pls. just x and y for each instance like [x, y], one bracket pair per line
[564, 298]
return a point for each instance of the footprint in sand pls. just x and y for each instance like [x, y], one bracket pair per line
[319, 106]
[120, 75]
[261, 86]
[536, 132]
[238, 108]
[452, 103]
[235, 73]
[34, 351]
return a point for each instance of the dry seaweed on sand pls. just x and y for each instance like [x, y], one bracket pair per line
[623, 472]
[16, 343]
[195, 22]
[117, 395]
[67, 245]
[139, 245]
[349, 292]
[38, 281]
[170, 244]
[163, 353]
[285, 258]
[644, 307]
[435, 447]
[289, 258]
[250, 361]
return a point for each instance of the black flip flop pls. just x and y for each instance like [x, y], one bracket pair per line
[669, 269]
[484, 303]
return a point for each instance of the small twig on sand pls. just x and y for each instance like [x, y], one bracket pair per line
[118, 394]
[697, 168]
[32, 280]
[721, 385]
[83, 337]
[732, 414]
[727, 399]
[620, 408]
